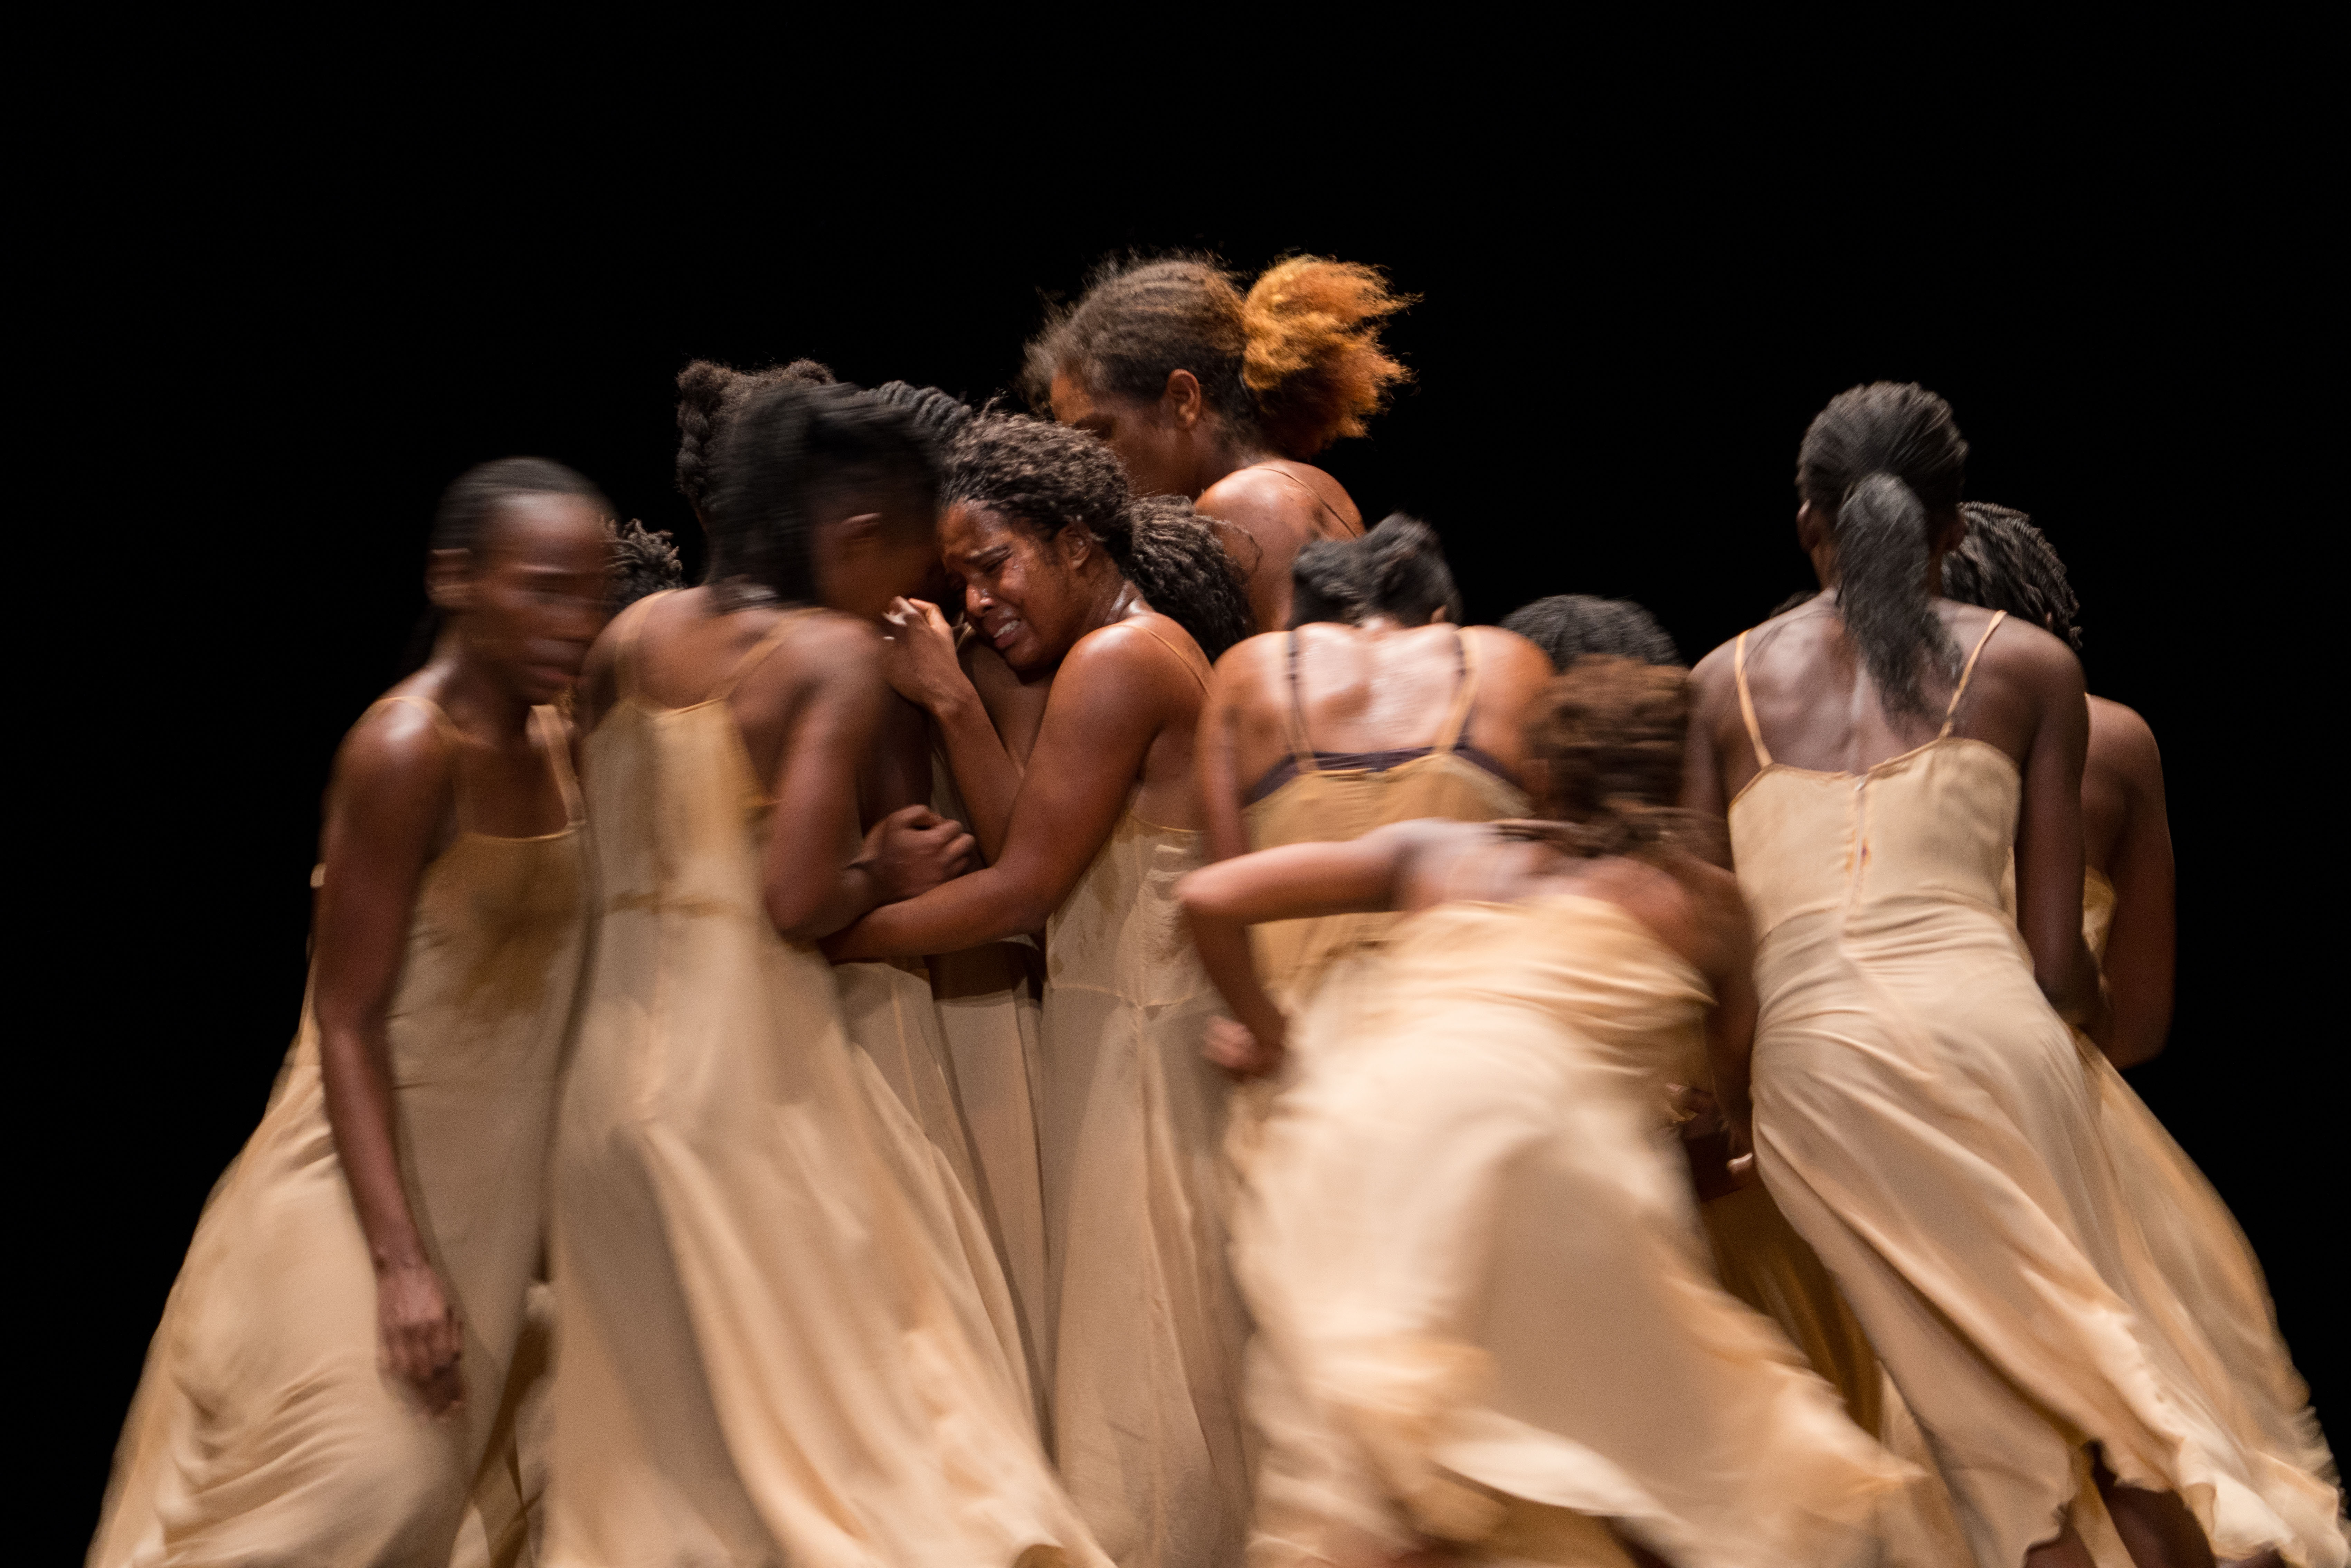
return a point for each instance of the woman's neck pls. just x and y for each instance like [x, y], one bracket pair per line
[1227, 454]
[473, 694]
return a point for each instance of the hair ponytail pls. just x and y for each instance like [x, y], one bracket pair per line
[1878, 463]
[1312, 352]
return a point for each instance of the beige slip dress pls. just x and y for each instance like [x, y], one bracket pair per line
[264, 1431]
[991, 1001]
[769, 1355]
[1148, 1330]
[1471, 1240]
[1923, 1118]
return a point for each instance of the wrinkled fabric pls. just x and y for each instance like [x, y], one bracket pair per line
[771, 1349]
[1926, 1121]
[1147, 1328]
[1471, 1251]
[264, 1431]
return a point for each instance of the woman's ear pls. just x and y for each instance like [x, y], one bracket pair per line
[1180, 401]
[1076, 542]
[1810, 528]
[1441, 615]
[449, 579]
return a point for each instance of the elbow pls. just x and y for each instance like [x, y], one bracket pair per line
[799, 920]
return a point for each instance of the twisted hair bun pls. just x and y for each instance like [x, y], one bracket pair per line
[709, 394]
[1611, 734]
[1296, 361]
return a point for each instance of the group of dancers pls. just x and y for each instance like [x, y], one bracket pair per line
[1060, 1007]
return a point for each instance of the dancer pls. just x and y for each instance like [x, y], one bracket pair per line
[1921, 1116]
[1145, 1334]
[2006, 563]
[1208, 392]
[766, 1356]
[1328, 730]
[330, 1362]
[1567, 626]
[1463, 1232]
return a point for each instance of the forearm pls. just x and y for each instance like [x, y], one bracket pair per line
[987, 906]
[851, 892]
[1224, 946]
[354, 1065]
[986, 774]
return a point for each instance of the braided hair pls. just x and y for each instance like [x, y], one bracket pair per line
[1610, 734]
[643, 562]
[1046, 476]
[2006, 563]
[709, 394]
[1295, 361]
[1572, 626]
[776, 449]
[937, 414]
[1878, 463]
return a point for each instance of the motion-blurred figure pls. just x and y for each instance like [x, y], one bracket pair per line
[768, 1353]
[1569, 626]
[1921, 1113]
[1221, 397]
[1463, 1238]
[329, 1366]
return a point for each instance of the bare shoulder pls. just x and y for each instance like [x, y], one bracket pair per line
[836, 648]
[1149, 647]
[1506, 654]
[1249, 661]
[2121, 739]
[2023, 653]
[395, 756]
[1264, 494]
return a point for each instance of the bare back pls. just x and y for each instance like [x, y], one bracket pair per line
[1282, 505]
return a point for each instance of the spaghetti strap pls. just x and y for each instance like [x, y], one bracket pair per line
[1314, 493]
[625, 644]
[1300, 749]
[1465, 697]
[455, 739]
[1747, 702]
[559, 762]
[1951, 714]
[1172, 649]
[755, 657]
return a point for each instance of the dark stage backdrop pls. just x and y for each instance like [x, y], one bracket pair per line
[1610, 387]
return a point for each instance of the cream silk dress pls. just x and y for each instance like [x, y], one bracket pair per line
[769, 1353]
[1148, 1327]
[989, 1001]
[1923, 1117]
[1470, 1238]
[263, 1431]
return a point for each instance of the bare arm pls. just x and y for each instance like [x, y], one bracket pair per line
[817, 879]
[2049, 837]
[390, 796]
[2140, 949]
[1701, 767]
[1215, 767]
[1731, 1027]
[1109, 700]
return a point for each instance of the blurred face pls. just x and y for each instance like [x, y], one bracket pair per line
[1155, 442]
[871, 546]
[1024, 592]
[532, 598]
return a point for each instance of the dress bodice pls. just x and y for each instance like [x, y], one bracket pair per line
[682, 822]
[1121, 929]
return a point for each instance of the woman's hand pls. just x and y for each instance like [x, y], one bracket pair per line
[912, 850]
[1242, 1050]
[919, 659]
[421, 1336]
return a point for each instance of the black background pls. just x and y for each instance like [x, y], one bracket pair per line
[288, 322]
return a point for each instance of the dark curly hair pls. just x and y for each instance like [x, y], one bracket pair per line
[708, 393]
[2006, 563]
[1046, 477]
[1572, 626]
[938, 414]
[1296, 361]
[1328, 583]
[1180, 563]
[643, 561]
[1610, 735]
[1878, 463]
[1406, 574]
[783, 444]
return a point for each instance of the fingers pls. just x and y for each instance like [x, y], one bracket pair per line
[915, 818]
[960, 852]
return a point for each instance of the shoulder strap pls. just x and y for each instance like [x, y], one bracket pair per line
[552, 735]
[1747, 702]
[1951, 714]
[1300, 749]
[1311, 493]
[1173, 651]
[624, 647]
[755, 656]
[455, 739]
[1464, 696]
